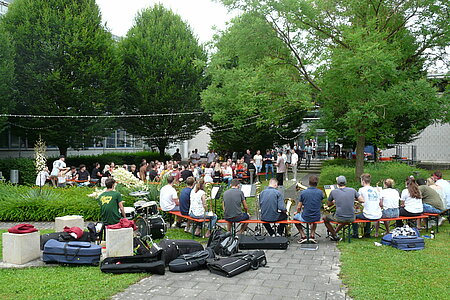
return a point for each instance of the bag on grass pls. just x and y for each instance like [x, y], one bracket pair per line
[192, 261]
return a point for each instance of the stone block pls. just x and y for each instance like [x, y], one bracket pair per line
[119, 242]
[69, 221]
[21, 248]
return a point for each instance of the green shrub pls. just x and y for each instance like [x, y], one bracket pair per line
[27, 173]
[339, 162]
[379, 172]
[20, 203]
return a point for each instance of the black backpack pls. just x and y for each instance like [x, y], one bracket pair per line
[223, 243]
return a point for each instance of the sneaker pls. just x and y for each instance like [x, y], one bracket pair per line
[441, 220]
[312, 241]
[336, 238]
[302, 241]
[187, 229]
[293, 179]
[277, 234]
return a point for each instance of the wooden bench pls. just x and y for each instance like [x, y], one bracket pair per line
[435, 216]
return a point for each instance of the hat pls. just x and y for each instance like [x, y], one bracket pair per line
[341, 180]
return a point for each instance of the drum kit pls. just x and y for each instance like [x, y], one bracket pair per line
[145, 213]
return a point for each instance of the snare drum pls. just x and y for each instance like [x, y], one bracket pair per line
[153, 208]
[154, 227]
[130, 212]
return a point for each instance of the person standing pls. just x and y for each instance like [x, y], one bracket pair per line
[232, 201]
[294, 161]
[268, 161]
[195, 157]
[211, 157]
[309, 153]
[58, 166]
[110, 203]
[247, 156]
[177, 156]
[311, 202]
[42, 176]
[281, 168]
[287, 160]
[272, 207]
[258, 161]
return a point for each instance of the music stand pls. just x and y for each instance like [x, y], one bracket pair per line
[216, 191]
[249, 190]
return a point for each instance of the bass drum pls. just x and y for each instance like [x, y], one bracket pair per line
[155, 227]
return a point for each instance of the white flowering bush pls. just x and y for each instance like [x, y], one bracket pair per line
[97, 193]
[40, 160]
[127, 179]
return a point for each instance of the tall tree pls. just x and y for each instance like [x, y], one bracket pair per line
[255, 88]
[366, 61]
[65, 64]
[6, 75]
[163, 73]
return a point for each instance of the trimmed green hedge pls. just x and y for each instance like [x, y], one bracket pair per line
[27, 173]
[379, 172]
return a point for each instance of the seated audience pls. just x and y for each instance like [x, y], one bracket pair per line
[96, 175]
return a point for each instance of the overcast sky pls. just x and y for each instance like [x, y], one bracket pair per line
[201, 15]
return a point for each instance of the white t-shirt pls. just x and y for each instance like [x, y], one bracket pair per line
[228, 172]
[294, 159]
[445, 185]
[195, 158]
[57, 165]
[197, 207]
[41, 178]
[390, 198]
[211, 157]
[208, 174]
[412, 205]
[372, 209]
[258, 160]
[166, 196]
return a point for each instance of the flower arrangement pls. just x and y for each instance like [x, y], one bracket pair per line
[127, 178]
[40, 160]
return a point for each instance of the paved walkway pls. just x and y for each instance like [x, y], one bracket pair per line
[291, 274]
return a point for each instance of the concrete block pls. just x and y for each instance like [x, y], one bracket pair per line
[119, 242]
[69, 221]
[21, 248]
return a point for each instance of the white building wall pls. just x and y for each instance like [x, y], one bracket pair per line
[433, 144]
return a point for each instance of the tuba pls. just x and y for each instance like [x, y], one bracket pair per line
[258, 228]
[289, 203]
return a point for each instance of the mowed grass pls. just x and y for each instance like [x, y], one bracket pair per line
[372, 272]
[69, 282]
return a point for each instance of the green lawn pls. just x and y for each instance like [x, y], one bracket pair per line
[68, 282]
[373, 272]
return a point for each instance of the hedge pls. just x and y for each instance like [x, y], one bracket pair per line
[27, 173]
[379, 172]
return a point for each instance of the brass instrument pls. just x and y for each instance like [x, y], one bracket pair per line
[288, 203]
[300, 187]
[258, 228]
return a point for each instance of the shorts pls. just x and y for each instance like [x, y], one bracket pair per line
[390, 213]
[176, 208]
[334, 218]
[241, 217]
[299, 217]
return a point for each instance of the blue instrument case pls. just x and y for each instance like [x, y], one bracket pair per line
[408, 243]
[83, 253]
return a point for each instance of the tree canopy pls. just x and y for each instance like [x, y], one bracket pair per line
[253, 83]
[64, 65]
[163, 72]
[367, 62]
[6, 75]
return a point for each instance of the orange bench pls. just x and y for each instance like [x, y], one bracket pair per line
[201, 221]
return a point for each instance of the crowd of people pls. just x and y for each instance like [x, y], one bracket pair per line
[275, 162]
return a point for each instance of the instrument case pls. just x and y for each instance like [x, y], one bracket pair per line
[263, 242]
[174, 248]
[150, 263]
[71, 252]
[237, 263]
[192, 261]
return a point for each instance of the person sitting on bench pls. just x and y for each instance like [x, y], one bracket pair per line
[272, 207]
[344, 198]
[371, 207]
[199, 206]
[185, 200]
[311, 201]
[168, 199]
[232, 200]
[411, 201]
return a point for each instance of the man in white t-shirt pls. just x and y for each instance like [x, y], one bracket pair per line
[372, 204]
[58, 166]
[195, 157]
[258, 161]
[211, 156]
[444, 184]
[294, 161]
[168, 198]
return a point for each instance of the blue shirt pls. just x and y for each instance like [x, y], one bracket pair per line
[185, 200]
[270, 202]
[312, 202]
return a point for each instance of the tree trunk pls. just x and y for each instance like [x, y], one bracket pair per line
[62, 150]
[360, 143]
[375, 153]
[162, 147]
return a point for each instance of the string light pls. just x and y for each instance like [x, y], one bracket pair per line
[105, 116]
[31, 128]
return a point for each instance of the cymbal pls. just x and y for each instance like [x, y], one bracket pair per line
[139, 193]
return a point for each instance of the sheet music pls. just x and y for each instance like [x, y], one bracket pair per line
[214, 192]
